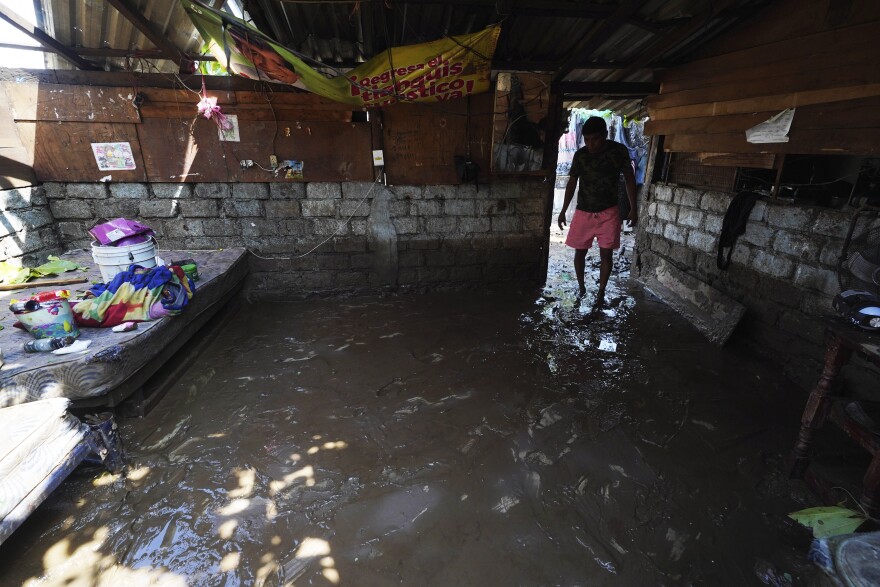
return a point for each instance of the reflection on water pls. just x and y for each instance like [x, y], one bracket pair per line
[492, 438]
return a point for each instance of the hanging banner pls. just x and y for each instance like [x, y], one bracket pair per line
[440, 70]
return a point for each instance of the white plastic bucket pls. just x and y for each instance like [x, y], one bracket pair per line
[113, 260]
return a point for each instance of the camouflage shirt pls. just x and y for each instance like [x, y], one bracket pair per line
[599, 176]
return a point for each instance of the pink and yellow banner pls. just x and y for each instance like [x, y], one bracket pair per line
[439, 70]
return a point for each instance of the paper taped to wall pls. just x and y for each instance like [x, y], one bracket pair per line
[774, 130]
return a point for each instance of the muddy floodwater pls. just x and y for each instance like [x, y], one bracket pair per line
[505, 437]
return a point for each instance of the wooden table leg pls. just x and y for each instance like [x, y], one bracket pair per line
[836, 356]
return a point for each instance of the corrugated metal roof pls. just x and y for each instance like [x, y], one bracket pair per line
[536, 35]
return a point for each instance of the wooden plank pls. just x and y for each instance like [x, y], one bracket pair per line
[330, 151]
[767, 103]
[790, 19]
[63, 151]
[302, 99]
[16, 168]
[186, 96]
[864, 141]
[838, 41]
[860, 52]
[62, 103]
[846, 114]
[839, 75]
[421, 142]
[183, 150]
[751, 160]
[246, 112]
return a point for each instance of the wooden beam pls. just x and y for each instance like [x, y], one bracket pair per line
[572, 90]
[602, 33]
[41, 37]
[133, 15]
[105, 52]
[775, 102]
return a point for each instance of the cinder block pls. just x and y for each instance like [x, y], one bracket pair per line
[259, 227]
[675, 234]
[818, 279]
[407, 192]
[713, 223]
[250, 191]
[357, 190]
[791, 218]
[287, 191]
[438, 192]
[662, 193]
[426, 208]
[330, 226]
[55, 190]
[115, 208]
[324, 191]
[202, 208]
[701, 241]
[667, 212]
[469, 273]
[406, 225]
[440, 225]
[336, 261]
[802, 247]
[135, 191]
[411, 259]
[506, 224]
[218, 191]
[243, 208]
[280, 209]
[833, 223]
[176, 191]
[534, 223]
[690, 218]
[458, 207]
[757, 234]
[476, 224]
[158, 209]
[830, 255]
[399, 208]
[717, 202]
[21, 198]
[319, 207]
[688, 197]
[87, 191]
[774, 265]
[759, 212]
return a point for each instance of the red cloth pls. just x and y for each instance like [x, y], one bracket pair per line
[603, 226]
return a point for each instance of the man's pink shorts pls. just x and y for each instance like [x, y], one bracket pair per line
[604, 226]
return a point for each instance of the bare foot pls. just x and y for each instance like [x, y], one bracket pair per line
[582, 291]
[600, 297]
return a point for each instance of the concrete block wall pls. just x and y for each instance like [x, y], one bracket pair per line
[27, 234]
[783, 268]
[376, 236]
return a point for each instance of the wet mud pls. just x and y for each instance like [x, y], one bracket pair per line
[472, 438]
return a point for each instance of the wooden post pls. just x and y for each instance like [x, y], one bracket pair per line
[781, 163]
[548, 163]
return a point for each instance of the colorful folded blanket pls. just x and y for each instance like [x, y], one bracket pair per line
[137, 295]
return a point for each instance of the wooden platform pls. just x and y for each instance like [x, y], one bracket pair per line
[116, 364]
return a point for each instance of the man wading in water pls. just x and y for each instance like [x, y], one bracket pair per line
[598, 165]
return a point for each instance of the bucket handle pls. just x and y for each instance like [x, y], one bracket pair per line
[130, 257]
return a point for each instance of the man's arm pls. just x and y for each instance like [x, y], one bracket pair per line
[569, 194]
[629, 179]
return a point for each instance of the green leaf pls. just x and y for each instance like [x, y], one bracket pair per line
[56, 266]
[829, 520]
[12, 272]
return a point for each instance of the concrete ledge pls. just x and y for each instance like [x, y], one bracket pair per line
[709, 310]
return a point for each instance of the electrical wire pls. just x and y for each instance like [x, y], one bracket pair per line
[325, 241]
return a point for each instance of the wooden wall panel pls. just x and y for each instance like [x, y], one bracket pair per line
[179, 149]
[63, 150]
[330, 151]
[60, 103]
[421, 141]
